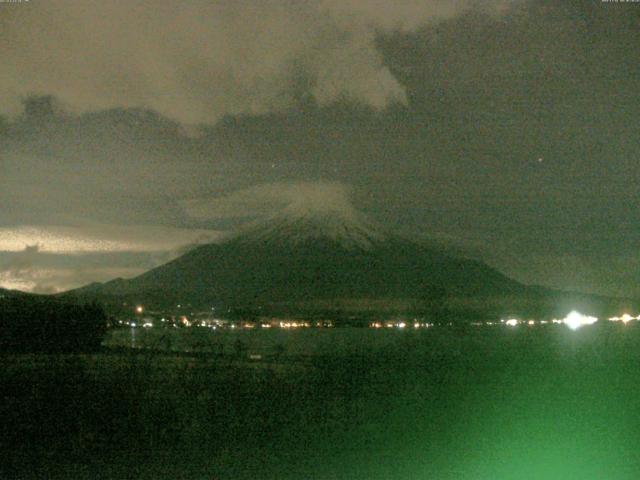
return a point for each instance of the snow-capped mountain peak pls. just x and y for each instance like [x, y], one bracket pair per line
[324, 213]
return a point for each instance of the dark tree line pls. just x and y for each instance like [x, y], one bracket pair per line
[31, 324]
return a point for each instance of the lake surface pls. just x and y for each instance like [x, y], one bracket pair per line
[442, 403]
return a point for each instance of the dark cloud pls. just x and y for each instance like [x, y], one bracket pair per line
[199, 60]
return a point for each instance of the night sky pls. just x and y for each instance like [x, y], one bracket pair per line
[130, 131]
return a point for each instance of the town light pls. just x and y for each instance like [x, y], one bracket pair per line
[576, 320]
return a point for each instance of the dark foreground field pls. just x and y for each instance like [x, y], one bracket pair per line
[481, 403]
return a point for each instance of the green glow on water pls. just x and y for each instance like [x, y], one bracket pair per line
[507, 403]
[567, 408]
[578, 423]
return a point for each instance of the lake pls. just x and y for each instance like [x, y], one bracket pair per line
[442, 403]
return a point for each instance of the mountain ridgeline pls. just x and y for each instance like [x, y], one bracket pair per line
[310, 255]
[309, 259]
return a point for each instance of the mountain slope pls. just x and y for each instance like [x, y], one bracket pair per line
[306, 254]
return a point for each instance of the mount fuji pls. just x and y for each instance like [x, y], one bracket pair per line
[317, 250]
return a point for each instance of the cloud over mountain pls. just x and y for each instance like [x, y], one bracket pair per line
[197, 61]
[270, 198]
[490, 89]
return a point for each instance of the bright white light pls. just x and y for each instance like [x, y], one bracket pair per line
[139, 309]
[402, 325]
[512, 322]
[531, 322]
[133, 324]
[626, 318]
[576, 320]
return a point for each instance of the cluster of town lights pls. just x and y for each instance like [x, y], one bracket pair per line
[626, 318]
[176, 321]
[574, 320]
[399, 324]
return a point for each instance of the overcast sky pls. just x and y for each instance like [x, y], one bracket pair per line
[130, 131]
